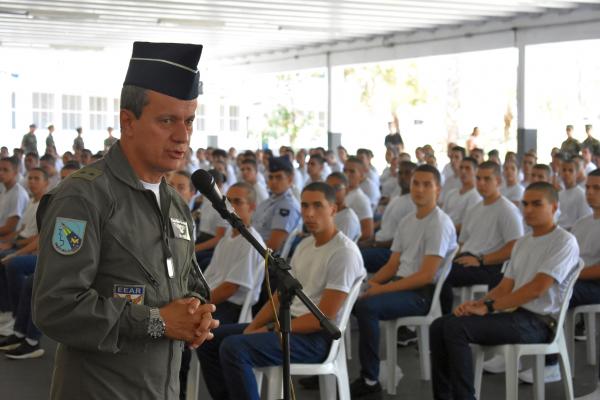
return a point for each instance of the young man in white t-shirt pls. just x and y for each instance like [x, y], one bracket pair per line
[249, 172]
[459, 200]
[488, 234]
[404, 285]
[345, 218]
[212, 226]
[356, 199]
[377, 252]
[327, 264]
[511, 189]
[572, 199]
[315, 168]
[521, 309]
[232, 269]
[452, 180]
[14, 199]
[369, 185]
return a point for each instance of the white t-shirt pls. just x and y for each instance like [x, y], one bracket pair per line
[154, 187]
[513, 193]
[261, 193]
[388, 186]
[335, 265]
[486, 229]
[236, 261]
[456, 204]
[555, 254]
[587, 233]
[27, 224]
[433, 235]
[210, 219]
[398, 208]
[371, 189]
[453, 182]
[590, 167]
[573, 206]
[358, 201]
[348, 223]
[13, 203]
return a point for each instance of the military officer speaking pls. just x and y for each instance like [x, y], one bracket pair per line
[116, 284]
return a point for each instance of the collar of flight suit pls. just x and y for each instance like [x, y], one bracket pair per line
[121, 169]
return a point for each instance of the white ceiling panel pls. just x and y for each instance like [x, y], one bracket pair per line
[232, 28]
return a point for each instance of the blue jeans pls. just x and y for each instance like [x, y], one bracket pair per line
[451, 357]
[227, 360]
[369, 311]
[23, 322]
[17, 269]
[375, 257]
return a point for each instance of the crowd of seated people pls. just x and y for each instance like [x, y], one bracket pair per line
[534, 219]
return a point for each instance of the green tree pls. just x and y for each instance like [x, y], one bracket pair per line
[284, 121]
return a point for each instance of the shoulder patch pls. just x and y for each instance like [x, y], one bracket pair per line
[87, 173]
[284, 212]
[68, 235]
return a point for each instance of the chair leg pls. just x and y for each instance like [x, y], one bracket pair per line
[274, 383]
[512, 374]
[193, 379]
[538, 377]
[423, 331]
[478, 356]
[341, 376]
[327, 386]
[348, 339]
[258, 375]
[565, 369]
[590, 326]
[391, 354]
[569, 330]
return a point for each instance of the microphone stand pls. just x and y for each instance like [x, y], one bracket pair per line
[288, 287]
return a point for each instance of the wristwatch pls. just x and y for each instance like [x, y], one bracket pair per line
[156, 325]
[489, 304]
[480, 259]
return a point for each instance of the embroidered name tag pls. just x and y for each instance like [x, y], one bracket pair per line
[180, 229]
[131, 293]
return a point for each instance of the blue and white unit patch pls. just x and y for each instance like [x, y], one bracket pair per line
[131, 293]
[68, 235]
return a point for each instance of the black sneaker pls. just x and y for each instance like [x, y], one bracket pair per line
[406, 336]
[25, 350]
[580, 331]
[10, 342]
[309, 382]
[359, 388]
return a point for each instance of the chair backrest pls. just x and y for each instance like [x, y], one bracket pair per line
[344, 318]
[246, 312]
[436, 309]
[287, 245]
[571, 279]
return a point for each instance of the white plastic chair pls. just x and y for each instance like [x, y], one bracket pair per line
[422, 323]
[589, 311]
[287, 245]
[468, 293]
[333, 369]
[513, 352]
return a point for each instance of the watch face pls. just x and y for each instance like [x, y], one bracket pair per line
[156, 328]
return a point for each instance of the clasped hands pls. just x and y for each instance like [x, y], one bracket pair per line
[189, 320]
[473, 307]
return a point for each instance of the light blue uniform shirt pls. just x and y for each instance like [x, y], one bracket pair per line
[280, 212]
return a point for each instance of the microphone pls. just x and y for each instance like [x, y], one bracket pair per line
[205, 184]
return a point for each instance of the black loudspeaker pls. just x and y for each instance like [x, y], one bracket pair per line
[526, 141]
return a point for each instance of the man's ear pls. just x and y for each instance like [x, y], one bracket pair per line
[127, 120]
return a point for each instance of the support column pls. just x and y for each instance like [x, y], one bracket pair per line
[526, 135]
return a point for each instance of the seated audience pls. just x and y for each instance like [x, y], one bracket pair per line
[356, 199]
[511, 188]
[315, 169]
[452, 181]
[572, 199]
[212, 225]
[249, 174]
[327, 264]
[346, 220]
[459, 201]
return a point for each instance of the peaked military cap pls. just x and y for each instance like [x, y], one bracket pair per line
[167, 68]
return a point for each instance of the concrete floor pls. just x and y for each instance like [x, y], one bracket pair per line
[30, 379]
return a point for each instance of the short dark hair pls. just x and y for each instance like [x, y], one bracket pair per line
[544, 168]
[250, 191]
[317, 158]
[71, 164]
[407, 164]
[355, 160]
[44, 173]
[547, 188]
[322, 187]
[574, 161]
[491, 166]
[340, 176]
[472, 161]
[588, 127]
[48, 157]
[493, 152]
[364, 151]
[219, 153]
[250, 161]
[12, 161]
[33, 154]
[461, 150]
[432, 170]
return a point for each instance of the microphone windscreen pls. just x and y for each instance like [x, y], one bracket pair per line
[203, 181]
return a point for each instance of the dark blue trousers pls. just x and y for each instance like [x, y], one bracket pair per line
[375, 257]
[23, 321]
[370, 310]
[460, 276]
[17, 269]
[451, 357]
[228, 359]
